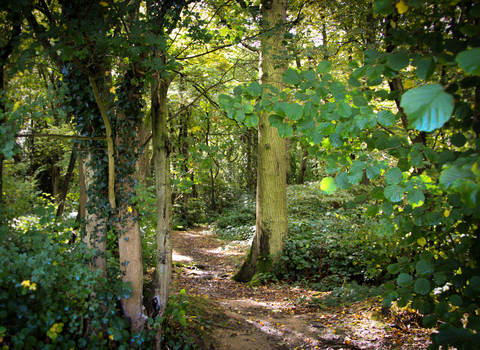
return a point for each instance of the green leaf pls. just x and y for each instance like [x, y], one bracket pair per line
[393, 268]
[328, 185]
[254, 89]
[309, 75]
[404, 280]
[247, 108]
[335, 140]
[425, 68]
[452, 174]
[285, 130]
[458, 140]
[424, 267]
[292, 77]
[456, 300]
[398, 61]
[394, 193]
[386, 118]
[383, 7]
[416, 197]
[470, 192]
[427, 107]
[372, 210]
[360, 101]
[377, 193]
[468, 61]
[430, 321]
[294, 111]
[324, 67]
[342, 181]
[473, 322]
[394, 176]
[344, 109]
[475, 283]
[422, 286]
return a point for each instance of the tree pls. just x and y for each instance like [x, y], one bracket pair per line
[271, 227]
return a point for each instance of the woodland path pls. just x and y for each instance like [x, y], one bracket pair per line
[235, 316]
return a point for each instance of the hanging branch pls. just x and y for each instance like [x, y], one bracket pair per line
[111, 161]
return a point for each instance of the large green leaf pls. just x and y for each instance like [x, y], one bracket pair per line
[324, 67]
[294, 111]
[422, 286]
[424, 267]
[328, 185]
[452, 174]
[425, 68]
[398, 60]
[394, 176]
[404, 280]
[394, 193]
[469, 61]
[386, 118]
[427, 107]
[292, 77]
[470, 194]
[415, 197]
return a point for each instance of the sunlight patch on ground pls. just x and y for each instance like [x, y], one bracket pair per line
[223, 251]
[178, 257]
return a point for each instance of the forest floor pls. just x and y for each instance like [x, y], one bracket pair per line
[233, 316]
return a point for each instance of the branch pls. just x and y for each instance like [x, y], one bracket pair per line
[58, 136]
[111, 161]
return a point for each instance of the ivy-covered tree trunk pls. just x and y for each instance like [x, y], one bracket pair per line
[96, 223]
[163, 190]
[271, 226]
[127, 219]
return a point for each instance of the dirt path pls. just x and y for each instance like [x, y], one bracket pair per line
[239, 317]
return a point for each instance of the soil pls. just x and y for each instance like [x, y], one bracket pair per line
[228, 315]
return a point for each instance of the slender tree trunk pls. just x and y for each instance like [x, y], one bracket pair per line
[288, 159]
[163, 190]
[271, 226]
[66, 183]
[303, 167]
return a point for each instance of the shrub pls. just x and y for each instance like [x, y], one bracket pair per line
[47, 288]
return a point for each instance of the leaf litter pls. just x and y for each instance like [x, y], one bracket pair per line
[227, 315]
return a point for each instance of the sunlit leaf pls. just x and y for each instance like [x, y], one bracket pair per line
[427, 107]
[328, 185]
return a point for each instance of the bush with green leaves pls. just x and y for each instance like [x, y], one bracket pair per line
[237, 222]
[49, 297]
[332, 240]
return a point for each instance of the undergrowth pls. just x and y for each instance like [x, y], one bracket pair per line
[331, 238]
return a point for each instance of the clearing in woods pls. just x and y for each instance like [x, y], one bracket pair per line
[224, 314]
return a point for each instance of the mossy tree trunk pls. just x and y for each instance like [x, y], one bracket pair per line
[271, 225]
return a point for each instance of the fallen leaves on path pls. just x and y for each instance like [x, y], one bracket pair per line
[274, 316]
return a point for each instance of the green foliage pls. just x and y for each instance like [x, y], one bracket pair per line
[347, 294]
[174, 323]
[47, 286]
[237, 222]
[329, 243]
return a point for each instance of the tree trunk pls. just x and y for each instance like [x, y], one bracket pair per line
[127, 221]
[163, 190]
[66, 183]
[249, 155]
[96, 224]
[271, 226]
[303, 166]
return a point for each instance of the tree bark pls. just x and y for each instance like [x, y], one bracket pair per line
[271, 225]
[66, 183]
[163, 190]
[303, 166]
[96, 225]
